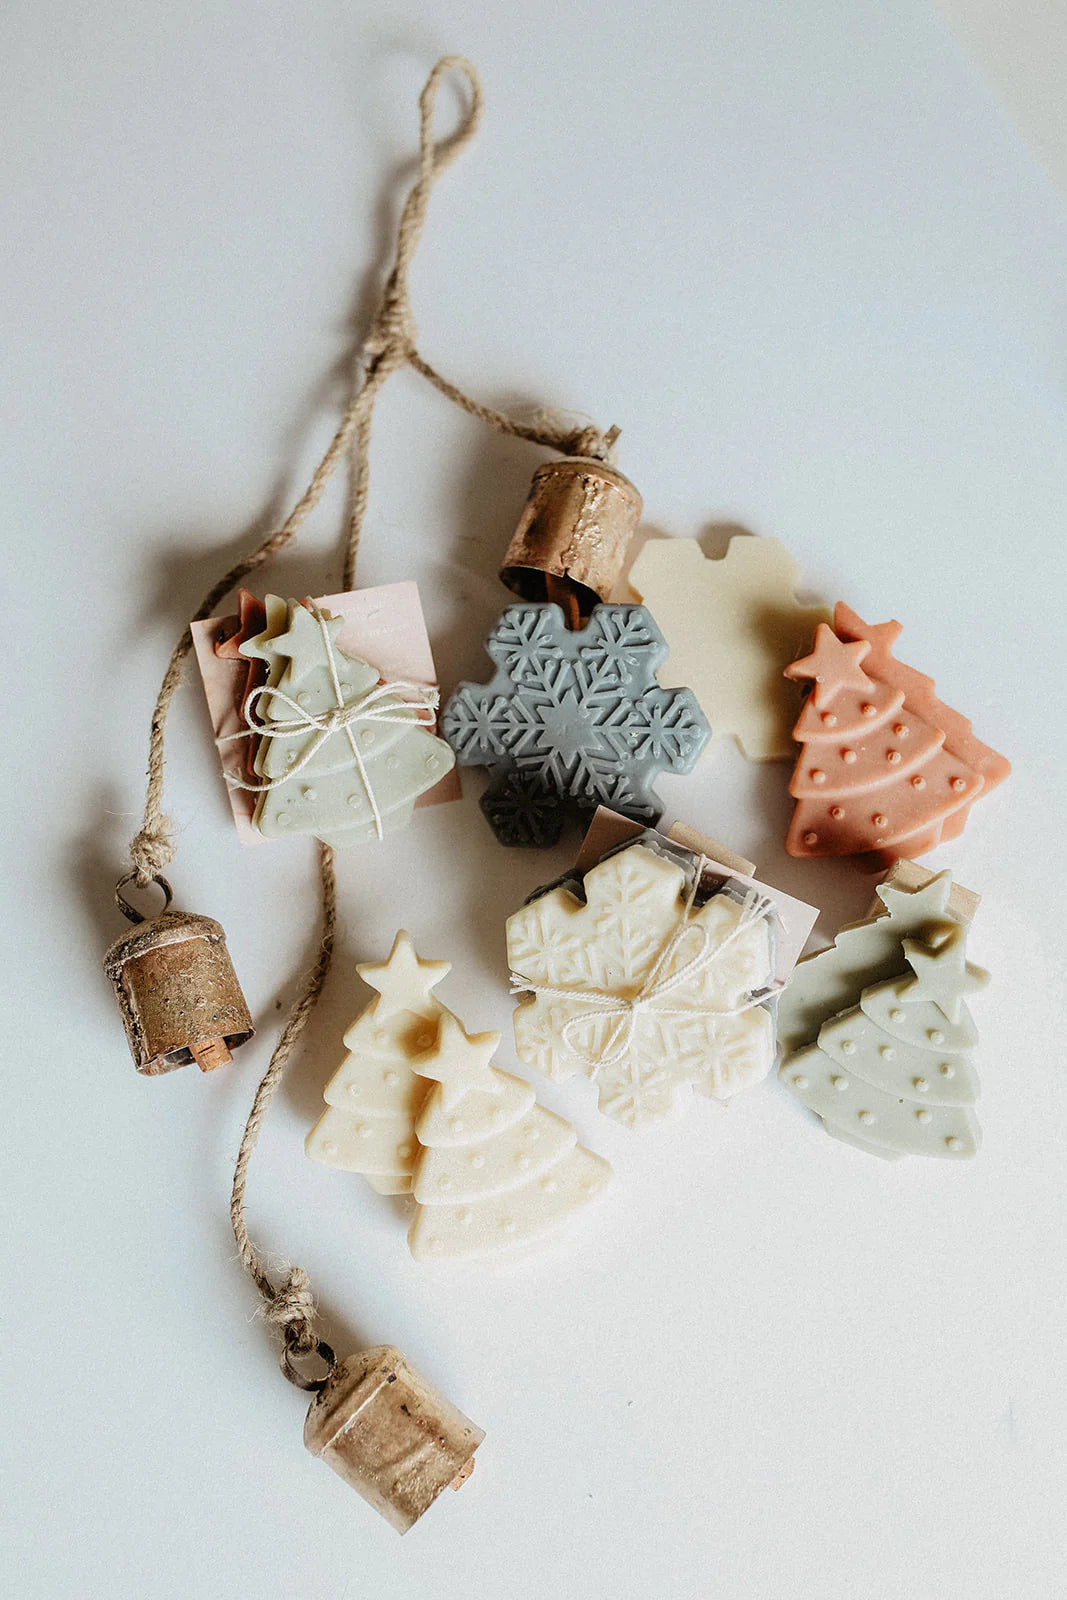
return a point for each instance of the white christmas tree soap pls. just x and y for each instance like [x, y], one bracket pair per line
[494, 1168]
[892, 1074]
[342, 756]
[641, 989]
[374, 1097]
[732, 626]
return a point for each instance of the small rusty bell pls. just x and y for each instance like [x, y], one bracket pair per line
[176, 987]
[389, 1433]
[571, 542]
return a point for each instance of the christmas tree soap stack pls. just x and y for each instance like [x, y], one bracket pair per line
[341, 755]
[891, 1072]
[416, 1106]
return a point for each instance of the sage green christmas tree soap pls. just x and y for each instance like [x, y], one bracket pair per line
[892, 1074]
[342, 755]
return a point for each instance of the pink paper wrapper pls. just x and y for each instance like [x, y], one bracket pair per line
[384, 627]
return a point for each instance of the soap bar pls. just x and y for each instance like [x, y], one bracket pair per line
[913, 903]
[642, 990]
[732, 625]
[892, 1074]
[374, 1097]
[342, 756]
[572, 719]
[878, 774]
[383, 627]
[494, 1169]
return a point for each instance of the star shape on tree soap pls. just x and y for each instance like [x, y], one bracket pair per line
[929, 902]
[403, 980]
[304, 644]
[832, 665]
[459, 1062]
[942, 972]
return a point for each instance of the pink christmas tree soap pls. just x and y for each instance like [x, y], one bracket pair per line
[885, 770]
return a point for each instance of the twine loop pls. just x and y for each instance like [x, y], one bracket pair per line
[625, 1011]
[292, 1310]
[152, 850]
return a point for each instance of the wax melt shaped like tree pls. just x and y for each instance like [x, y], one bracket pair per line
[731, 625]
[494, 1169]
[892, 1074]
[374, 1097]
[344, 756]
[572, 720]
[640, 989]
[873, 778]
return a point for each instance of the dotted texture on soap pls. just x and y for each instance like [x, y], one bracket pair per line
[892, 1074]
[330, 796]
[572, 720]
[609, 944]
[732, 626]
[885, 769]
[495, 1170]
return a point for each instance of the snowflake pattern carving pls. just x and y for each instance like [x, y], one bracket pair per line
[572, 719]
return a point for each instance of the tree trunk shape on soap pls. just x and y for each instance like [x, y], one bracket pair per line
[373, 1099]
[494, 1169]
[357, 781]
[892, 1074]
[873, 778]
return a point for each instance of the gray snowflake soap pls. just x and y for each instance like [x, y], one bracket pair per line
[572, 720]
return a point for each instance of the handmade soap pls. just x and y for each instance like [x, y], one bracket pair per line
[342, 755]
[248, 624]
[641, 989]
[892, 1073]
[919, 697]
[494, 1169]
[731, 625]
[912, 903]
[878, 774]
[572, 719]
[374, 1097]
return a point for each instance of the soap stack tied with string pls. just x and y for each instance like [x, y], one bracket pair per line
[574, 716]
[645, 980]
[323, 743]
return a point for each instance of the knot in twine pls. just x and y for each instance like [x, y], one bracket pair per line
[380, 704]
[625, 1011]
[292, 1309]
[152, 850]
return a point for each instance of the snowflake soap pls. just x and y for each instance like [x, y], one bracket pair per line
[494, 1168]
[732, 626]
[572, 719]
[641, 989]
[892, 1073]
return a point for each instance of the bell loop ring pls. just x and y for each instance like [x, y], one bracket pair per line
[130, 912]
[321, 1351]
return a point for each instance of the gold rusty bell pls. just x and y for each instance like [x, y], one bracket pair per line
[176, 988]
[571, 542]
[389, 1433]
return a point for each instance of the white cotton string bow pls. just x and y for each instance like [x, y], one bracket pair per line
[659, 983]
[378, 705]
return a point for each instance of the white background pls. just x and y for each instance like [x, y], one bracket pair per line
[798, 255]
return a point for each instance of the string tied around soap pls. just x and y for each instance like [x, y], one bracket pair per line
[380, 705]
[625, 1011]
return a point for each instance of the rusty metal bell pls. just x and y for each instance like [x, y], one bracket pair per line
[571, 542]
[177, 990]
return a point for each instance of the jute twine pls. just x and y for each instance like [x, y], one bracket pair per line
[389, 346]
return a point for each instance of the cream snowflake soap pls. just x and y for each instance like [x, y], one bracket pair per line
[642, 989]
[732, 626]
